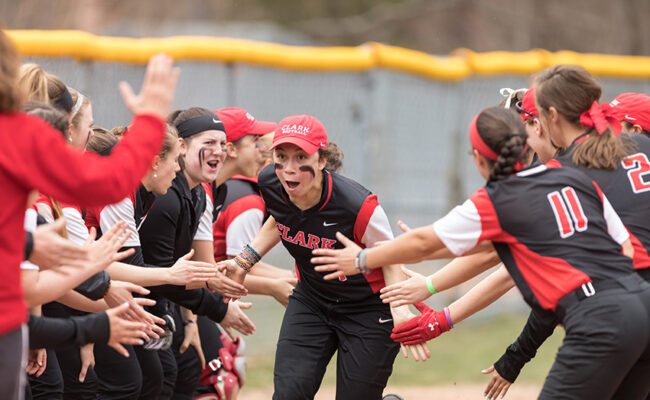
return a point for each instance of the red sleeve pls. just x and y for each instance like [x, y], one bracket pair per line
[39, 158]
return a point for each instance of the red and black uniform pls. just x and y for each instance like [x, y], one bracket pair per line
[563, 260]
[628, 191]
[325, 316]
[239, 214]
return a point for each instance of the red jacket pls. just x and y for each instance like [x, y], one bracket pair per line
[35, 156]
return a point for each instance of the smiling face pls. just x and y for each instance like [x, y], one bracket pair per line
[300, 173]
[81, 133]
[203, 155]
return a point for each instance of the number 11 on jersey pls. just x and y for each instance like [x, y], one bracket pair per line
[569, 215]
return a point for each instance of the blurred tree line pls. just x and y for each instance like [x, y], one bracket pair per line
[433, 26]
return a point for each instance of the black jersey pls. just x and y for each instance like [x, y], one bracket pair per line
[550, 227]
[628, 190]
[345, 206]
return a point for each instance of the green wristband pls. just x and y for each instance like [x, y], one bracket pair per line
[430, 285]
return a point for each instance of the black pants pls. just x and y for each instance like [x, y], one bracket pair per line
[48, 386]
[118, 377]
[73, 389]
[152, 373]
[170, 373]
[188, 364]
[309, 336]
[13, 360]
[606, 350]
[210, 344]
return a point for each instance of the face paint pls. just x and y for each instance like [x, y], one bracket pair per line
[202, 152]
[307, 168]
[278, 166]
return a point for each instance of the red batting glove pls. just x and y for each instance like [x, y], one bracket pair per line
[430, 324]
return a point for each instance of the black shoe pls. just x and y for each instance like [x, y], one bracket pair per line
[392, 396]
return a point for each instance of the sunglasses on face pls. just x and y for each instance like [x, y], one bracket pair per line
[522, 111]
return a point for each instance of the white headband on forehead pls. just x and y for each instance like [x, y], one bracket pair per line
[77, 105]
[510, 93]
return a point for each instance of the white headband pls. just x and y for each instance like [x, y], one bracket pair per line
[77, 105]
[509, 93]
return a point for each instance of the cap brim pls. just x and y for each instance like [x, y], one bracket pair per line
[261, 128]
[305, 145]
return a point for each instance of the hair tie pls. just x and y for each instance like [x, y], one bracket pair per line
[600, 117]
[509, 94]
[77, 105]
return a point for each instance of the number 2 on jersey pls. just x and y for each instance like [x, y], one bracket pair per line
[569, 215]
[637, 166]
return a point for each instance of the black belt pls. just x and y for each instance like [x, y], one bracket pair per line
[630, 282]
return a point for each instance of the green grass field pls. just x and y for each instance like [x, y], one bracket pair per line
[456, 357]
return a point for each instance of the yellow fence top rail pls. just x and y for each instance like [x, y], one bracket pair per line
[460, 64]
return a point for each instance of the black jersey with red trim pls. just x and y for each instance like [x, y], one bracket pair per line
[239, 213]
[552, 227]
[345, 206]
[628, 190]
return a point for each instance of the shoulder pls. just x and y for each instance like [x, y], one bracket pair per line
[348, 192]
[267, 177]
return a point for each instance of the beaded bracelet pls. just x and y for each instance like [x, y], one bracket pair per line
[247, 258]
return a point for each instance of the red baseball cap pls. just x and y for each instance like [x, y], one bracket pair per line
[304, 131]
[526, 107]
[633, 108]
[239, 123]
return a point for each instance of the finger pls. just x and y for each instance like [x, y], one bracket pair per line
[127, 94]
[40, 370]
[422, 308]
[120, 349]
[84, 370]
[92, 234]
[229, 332]
[329, 261]
[505, 389]
[414, 353]
[408, 272]
[324, 252]
[344, 239]
[144, 301]
[184, 345]
[199, 352]
[405, 228]
[493, 384]
[488, 370]
[189, 255]
[132, 287]
[244, 305]
[404, 352]
[123, 254]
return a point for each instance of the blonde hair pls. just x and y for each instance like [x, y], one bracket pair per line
[33, 80]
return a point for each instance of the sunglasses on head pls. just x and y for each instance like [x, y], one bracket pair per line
[522, 111]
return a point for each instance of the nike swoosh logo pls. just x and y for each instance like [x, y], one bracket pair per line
[628, 117]
[216, 121]
[383, 321]
[217, 208]
[330, 224]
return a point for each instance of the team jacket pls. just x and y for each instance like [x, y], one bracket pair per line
[35, 156]
[628, 190]
[346, 207]
[239, 213]
[173, 221]
[550, 227]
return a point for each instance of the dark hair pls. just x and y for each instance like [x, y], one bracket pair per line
[49, 114]
[515, 97]
[334, 157]
[177, 117]
[502, 130]
[571, 90]
[628, 126]
[11, 93]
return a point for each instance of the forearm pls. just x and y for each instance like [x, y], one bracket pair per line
[258, 285]
[462, 269]
[51, 284]
[267, 237]
[143, 276]
[482, 295]
[270, 271]
[80, 302]
[412, 247]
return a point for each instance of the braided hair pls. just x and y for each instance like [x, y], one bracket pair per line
[502, 130]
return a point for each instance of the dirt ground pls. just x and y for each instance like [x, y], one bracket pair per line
[446, 392]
